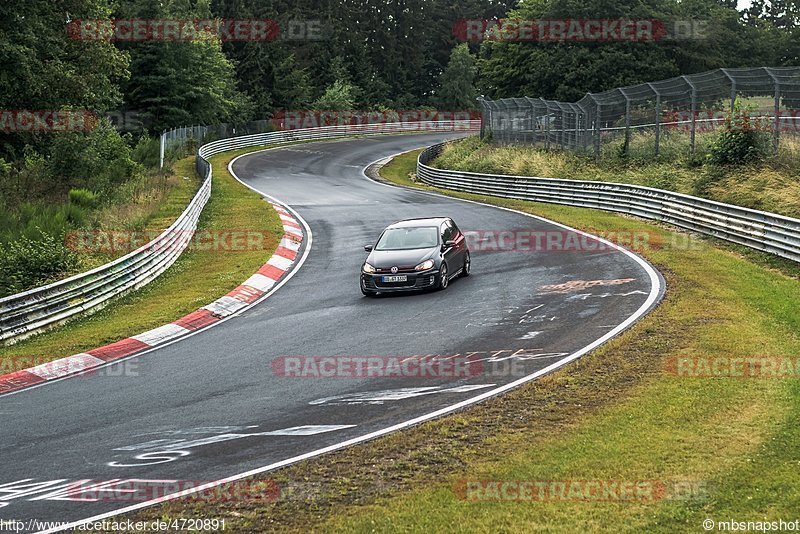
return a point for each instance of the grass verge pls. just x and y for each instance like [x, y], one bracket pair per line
[154, 202]
[195, 279]
[616, 415]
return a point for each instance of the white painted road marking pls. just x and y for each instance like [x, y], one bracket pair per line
[379, 397]
[65, 366]
[167, 444]
[161, 334]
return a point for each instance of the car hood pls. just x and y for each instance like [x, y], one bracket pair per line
[403, 259]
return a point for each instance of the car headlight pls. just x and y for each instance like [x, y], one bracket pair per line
[368, 268]
[424, 266]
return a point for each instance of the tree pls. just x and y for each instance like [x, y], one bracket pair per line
[43, 67]
[291, 88]
[175, 83]
[457, 83]
[780, 13]
[183, 83]
[567, 70]
[337, 97]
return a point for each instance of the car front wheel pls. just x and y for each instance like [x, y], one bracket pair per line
[467, 264]
[443, 274]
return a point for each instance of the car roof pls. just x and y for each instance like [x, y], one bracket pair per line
[421, 221]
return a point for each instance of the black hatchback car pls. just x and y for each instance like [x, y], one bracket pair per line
[415, 254]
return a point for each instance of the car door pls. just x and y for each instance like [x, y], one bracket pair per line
[451, 254]
[461, 243]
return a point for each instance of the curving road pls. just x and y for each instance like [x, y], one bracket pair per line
[212, 405]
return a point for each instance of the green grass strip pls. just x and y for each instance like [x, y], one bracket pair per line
[195, 279]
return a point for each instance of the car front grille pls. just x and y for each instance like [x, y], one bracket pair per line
[374, 283]
[409, 283]
[400, 270]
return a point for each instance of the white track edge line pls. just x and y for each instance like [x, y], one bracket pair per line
[655, 292]
[288, 274]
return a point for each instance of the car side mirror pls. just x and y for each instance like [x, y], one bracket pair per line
[368, 248]
[450, 243]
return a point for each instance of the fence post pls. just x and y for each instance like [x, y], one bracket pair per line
[597, 132]
[694, 113]
[582, 141]
[776, 127]
[577, 123]
[596, 137]
[546, 125]
[482, 104]
[627, 145]
[733, 88]
[161, 143]
[657, 118]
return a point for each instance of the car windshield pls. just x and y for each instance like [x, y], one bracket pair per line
[408, 238]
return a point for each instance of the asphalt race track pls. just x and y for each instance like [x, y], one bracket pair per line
[212, 405]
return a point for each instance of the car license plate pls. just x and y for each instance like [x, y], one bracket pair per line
[397, 278]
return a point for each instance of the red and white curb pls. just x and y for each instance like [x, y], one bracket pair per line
[251, 290]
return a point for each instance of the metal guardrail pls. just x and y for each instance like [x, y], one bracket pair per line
[38, 309]
[326, 132]
[767, 232]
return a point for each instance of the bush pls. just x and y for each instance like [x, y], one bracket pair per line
[147, 151]
[98, 160]
[30, 262]
[83, 198]
[741, 142]
[739, 147]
